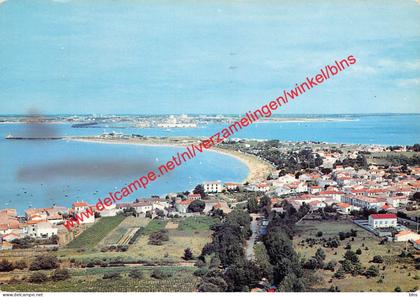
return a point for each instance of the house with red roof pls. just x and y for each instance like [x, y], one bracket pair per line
[384, 220]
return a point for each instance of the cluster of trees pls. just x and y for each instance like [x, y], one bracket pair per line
[44, 262]
[29, 242]
[291, 161]
[398, 160]
[229, 270]
[196, 206]
[6, 265]
[414, 148]
[351, 265]
[264, 206]
[359, 162]
[58, 275]
[287, 268]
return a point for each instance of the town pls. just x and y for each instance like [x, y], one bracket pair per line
[362, 198]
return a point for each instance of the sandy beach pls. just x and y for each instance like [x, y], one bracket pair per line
[258, 169]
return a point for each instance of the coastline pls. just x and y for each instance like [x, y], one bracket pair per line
[258, 169]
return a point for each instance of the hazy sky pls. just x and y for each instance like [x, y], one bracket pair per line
[196, 57]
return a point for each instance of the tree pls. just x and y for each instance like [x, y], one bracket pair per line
[331, 265]
[320, 257]
[340, 273]
[377, 259]
[265, 202]
[252, 205]
[38, 277]
[351, 256]
[312, 263]
[239, 276]
[196, 206]
[160, 213]
[347, 266]
[372, 271]
[291, 283]
[60, 274]
[359, 251]
[188, 255]
[199, 189]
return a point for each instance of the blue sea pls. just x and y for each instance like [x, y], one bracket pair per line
[41, 173]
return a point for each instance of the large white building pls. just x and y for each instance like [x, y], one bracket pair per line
[383, 220]
[213, 186]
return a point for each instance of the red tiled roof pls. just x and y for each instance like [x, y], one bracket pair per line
[80, 204]
[379, 216]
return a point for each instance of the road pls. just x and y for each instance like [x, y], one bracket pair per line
[251, 241]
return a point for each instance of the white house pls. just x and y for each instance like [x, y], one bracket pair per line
[212, 186]
[407, 235]
[383, 220]
[232, 186]
[143, 206]
[182, 205]
[78, 208]
[42, 230]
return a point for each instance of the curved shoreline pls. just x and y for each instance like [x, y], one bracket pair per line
[258, 169]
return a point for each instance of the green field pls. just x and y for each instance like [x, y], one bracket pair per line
[398, 271]
[200, 223]
[93, 235]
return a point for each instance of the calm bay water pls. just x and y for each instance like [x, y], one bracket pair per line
[40, 173]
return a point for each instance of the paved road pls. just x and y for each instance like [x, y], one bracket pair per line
[251, 241]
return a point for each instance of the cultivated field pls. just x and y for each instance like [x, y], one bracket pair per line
[91, 280]
[93, 235]
[117, 234]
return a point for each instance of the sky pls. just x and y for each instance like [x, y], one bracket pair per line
[195, 57]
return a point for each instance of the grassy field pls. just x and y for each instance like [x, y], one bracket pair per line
[93, 235]
[200, 223]
[192, 232]
[90, 280]
[398, 271]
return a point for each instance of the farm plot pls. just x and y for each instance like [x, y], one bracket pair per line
[114, 237]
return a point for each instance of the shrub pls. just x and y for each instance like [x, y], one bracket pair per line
[38, 277]
[156, 238]
[319, 234]
[331, 265]
[340, 273]
[160, 274]
[20, 264]
[377, 259]
[188, 255]
[110, 275]
[6, 265]
[372, 271]
[201, 272]
[44, 262]
[397, 289]
[60, 274]
[137, 274]
[358, 251]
